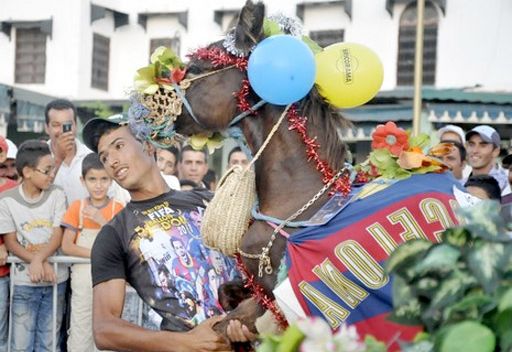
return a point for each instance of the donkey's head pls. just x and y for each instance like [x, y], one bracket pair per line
[217, 77]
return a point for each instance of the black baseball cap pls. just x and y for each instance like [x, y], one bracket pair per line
[96, 127]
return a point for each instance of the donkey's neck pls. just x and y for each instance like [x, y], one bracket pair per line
[285, 180]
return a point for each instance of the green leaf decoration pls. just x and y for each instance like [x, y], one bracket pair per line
[374, 345]
[315, 48]
[422, 346]
[421, 141]
[468, 336]
[271, 28]
[504, 329]
[407, 313]
[441, 259]
[456, 236]
[472, 306]
[407, 254]
[426, 287]
[505, 301]
[452, 288]
[483, 221]
[269, 343]
[291, 339]
[485, 260]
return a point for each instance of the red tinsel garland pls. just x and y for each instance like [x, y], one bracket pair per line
[259, 294]
[299, 124]
[219, 58]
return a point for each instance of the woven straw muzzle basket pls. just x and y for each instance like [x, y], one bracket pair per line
[227, 217]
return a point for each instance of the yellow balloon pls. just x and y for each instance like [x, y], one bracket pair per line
[348, 74]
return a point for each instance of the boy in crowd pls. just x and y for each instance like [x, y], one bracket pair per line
[484, 187]
[82, 222]
[30, 216]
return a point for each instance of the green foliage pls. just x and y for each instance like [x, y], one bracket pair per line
[459, 290]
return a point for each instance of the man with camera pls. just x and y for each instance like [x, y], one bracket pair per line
[68, 151]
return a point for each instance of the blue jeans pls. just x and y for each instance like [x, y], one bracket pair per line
[32, 323]
[4, 312]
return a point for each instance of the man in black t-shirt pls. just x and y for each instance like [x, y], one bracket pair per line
[136, 247]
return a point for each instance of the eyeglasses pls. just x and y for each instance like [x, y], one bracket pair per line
[46, 172]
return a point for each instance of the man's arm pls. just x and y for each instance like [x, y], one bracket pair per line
[113, 333]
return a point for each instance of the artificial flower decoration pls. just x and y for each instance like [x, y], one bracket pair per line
[315, 335]
[165, 70]
[397, 155]
[391, 137]
[211, 141]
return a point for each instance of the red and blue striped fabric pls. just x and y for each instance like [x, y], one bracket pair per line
[336, 269]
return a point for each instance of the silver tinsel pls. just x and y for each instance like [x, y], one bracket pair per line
[289, 25]
[230, 46]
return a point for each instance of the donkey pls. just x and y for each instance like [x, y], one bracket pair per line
[340, 277]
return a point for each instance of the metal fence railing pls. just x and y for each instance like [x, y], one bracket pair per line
[56, 261]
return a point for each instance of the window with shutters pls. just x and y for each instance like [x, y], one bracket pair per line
[406, 45]
[173, 43]
[100, 61]
[30, 55]
[327, 37]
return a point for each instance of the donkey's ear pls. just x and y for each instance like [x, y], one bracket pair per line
[249, 29]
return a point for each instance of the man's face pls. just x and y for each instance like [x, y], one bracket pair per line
[166, 162]
[124, 159]
[180, 249]
[58, 118]
[8, 169]
[193, 166]
[481, 155]
[217, 261]
[454, 162]
[238, 158]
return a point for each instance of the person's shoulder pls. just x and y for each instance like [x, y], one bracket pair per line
[82, 150]
[56, 190]
[10, 193]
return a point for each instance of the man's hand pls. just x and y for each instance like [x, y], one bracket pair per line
[94, 214]
[49, 273]
[239, 333]
[203, 338]
[3, 254]
[64, 145]
[36, 271]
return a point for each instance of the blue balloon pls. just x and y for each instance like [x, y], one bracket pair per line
[281, 69]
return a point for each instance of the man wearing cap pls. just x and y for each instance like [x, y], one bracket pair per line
[451, 133]
[129, 249]
[483, 148]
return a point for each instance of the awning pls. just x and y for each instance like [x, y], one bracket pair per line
[459, 113]
[45, 26]
[99, 12]
[302, 6]
[379, 113]
[142, 18]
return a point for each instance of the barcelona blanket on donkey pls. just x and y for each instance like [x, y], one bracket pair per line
[336, 270]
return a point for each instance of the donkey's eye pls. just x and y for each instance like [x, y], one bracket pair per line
[194, 69]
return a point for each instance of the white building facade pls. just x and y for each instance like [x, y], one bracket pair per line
[89, 50]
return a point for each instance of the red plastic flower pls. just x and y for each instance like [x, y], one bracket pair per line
[391, 137]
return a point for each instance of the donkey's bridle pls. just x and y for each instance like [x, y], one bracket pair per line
[181, 92]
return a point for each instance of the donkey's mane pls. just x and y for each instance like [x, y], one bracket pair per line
[325, 123]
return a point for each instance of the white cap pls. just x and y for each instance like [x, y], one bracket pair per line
[12, 151]
[452, 128]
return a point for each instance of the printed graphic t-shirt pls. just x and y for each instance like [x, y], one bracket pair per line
[33, 220]
[155, 245]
